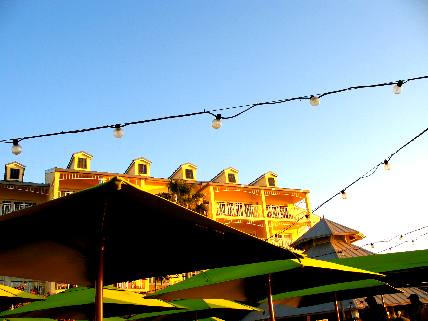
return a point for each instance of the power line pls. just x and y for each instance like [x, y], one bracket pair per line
[372, 170]
[314, 99]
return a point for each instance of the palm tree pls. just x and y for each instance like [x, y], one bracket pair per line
[182, 193]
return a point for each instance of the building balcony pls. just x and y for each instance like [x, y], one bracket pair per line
[239, 210]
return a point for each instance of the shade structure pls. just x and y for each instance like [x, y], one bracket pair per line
[79, 304]
[195, 309]
[402, 269]
[141, 234]
[334, 292]
[10, 296]
[248, 282]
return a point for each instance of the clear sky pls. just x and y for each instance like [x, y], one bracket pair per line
[75, 64]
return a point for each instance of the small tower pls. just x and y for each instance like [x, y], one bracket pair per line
[268, 179]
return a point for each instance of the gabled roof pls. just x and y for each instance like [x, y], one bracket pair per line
[137, 159]
[81, 152]
[15, 163]
[223, 171]
[326, 228]
[178, 168]
[263, 175]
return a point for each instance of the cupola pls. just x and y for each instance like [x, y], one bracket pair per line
[185, 171]
[80, 161]
[268, 179]
[14, 172]
[227, 176]
[139, 166]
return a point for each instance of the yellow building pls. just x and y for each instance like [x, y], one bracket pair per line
[260, 208]
[15, 194]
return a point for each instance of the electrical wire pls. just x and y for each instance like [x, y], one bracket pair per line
[373, 170]
[212, 111]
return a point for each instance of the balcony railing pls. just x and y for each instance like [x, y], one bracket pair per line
[236, 209]
[278, 211]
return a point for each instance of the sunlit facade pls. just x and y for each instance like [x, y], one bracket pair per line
[260, 208]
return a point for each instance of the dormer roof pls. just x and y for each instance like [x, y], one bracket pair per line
[14, 171]
[222, 177]
[132, 167]
[76, 155]
[180, 170]
[263, 180]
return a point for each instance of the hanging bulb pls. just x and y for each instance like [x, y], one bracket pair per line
[118, 131]
[16, 148]
[343, 194]
[386, 165]
[401, 237]
[372, 245]
[314, 100]
[396, 89]
[216, 124]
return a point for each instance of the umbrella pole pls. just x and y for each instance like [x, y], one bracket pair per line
[336, 305]
[99, 286]
[270, 301]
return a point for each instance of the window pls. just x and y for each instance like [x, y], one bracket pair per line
[189, 173]
[14, 173]
[231, 178]
[142, 169]
[81, 163]
[271, 181]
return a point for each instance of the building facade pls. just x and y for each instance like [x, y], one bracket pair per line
[260, 208]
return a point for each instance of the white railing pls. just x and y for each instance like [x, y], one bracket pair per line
[278, 211]
[237, 209]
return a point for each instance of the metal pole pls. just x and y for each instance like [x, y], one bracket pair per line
[99, 286]
[336, 305]
[270, 301]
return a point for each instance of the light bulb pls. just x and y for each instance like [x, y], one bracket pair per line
[216, 124]
[386, 165]
[343, 194]
[396, 89]
[314, 100]
[118, 131]
[16, 148]
[372, 245]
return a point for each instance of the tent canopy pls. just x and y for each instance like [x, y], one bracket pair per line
[144, 235]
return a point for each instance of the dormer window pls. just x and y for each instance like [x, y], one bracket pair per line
[14, 173]
[271, 182]
[142, 169]
[82, 163]
[231, 178]
[189, 173]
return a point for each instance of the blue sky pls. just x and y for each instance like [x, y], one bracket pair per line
[75, 64]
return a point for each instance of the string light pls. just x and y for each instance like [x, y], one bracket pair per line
[398, 236]
[118, 131]
[343, 194]
[314, 101]
[371, 171]
[313, 98]
[396, 89]
[386, 165]
[16, 148]
[216, 124]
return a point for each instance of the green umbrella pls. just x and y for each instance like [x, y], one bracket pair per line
[402, 269]
[333, 292]
[78, 304]
[9, 296]
[254, 282]
[194, 309]
[106, 234]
